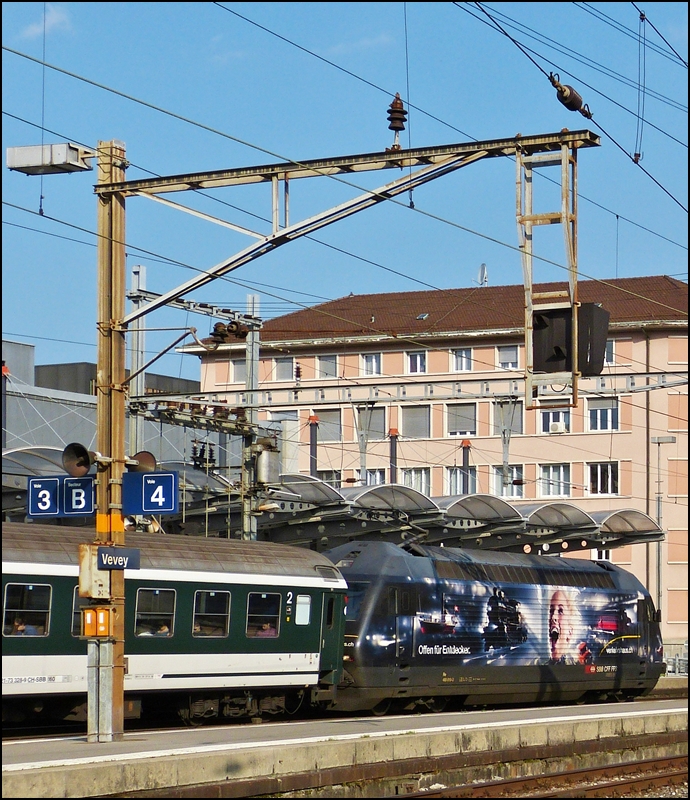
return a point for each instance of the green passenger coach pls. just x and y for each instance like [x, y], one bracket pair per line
[213, 627]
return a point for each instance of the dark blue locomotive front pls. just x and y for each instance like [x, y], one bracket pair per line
[426, 624]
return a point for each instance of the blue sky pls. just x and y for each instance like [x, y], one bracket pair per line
[292, 81]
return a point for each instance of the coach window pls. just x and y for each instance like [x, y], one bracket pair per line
[263, 615]
[155, 612]
[303, 609]
[27, 609]
[77, 604]
[211, 614]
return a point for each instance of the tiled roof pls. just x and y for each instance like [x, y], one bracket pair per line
[654, 299]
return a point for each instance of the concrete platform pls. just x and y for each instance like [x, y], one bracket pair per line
[220, 760]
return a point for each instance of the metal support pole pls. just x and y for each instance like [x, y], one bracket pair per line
[5, 378]
[249, 522]
[364, 414]
[92, 684]
[393, 434]
[658, 441]
[313, 430]
[249, 526]
[658, 520]
[110, 417]
[138, 382]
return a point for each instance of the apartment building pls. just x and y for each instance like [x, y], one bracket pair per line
[427, 389]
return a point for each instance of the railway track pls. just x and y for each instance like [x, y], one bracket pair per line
[619, 780]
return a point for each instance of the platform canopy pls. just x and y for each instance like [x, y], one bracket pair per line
[304, 510]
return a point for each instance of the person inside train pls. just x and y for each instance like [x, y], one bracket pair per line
[267, 631]
[21, 628]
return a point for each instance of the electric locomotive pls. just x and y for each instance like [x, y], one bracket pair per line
[214, 627]
[428, 624]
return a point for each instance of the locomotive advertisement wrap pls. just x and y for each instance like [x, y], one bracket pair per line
[480, 623]
[424, 624]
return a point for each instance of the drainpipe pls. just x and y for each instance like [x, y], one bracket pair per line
[465, 484]
[393, 434]
[313, 428]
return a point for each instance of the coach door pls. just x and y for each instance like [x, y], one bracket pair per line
[331, 631]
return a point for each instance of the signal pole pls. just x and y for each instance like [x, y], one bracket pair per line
[106, 712]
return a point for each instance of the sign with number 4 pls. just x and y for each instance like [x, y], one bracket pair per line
[150, 493]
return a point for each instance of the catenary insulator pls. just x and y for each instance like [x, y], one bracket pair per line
[569, 97]
[397, 114]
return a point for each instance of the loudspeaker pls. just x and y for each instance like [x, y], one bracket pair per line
[147, 462]
[77, 460]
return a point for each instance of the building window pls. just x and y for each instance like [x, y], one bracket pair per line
[372, 421]
[418, 478]
[284, 369]
[211, 614]
[555, 420]
[514, 487]
[608, 353]
[327, 366]
[374, 477]
[462, 419]
[330, 476]
[416, 422]
[371, 363]
[603, 478]
[462, 360]
[416, 362]
[508, 415]
[508, 356]
[328, 429]
[603, 414]
[238, 370]
[461, 481]
[601, 555]
[555, 480]
[154, 612]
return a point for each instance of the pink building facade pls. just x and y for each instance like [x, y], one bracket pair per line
[442, 372]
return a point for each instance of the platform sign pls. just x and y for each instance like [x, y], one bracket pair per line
[62, 496]
[150, 493]
[78, 497]
[119, 558]
[44, 497]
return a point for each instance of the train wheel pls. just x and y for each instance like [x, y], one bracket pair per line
[381, 708]
[438, 704]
